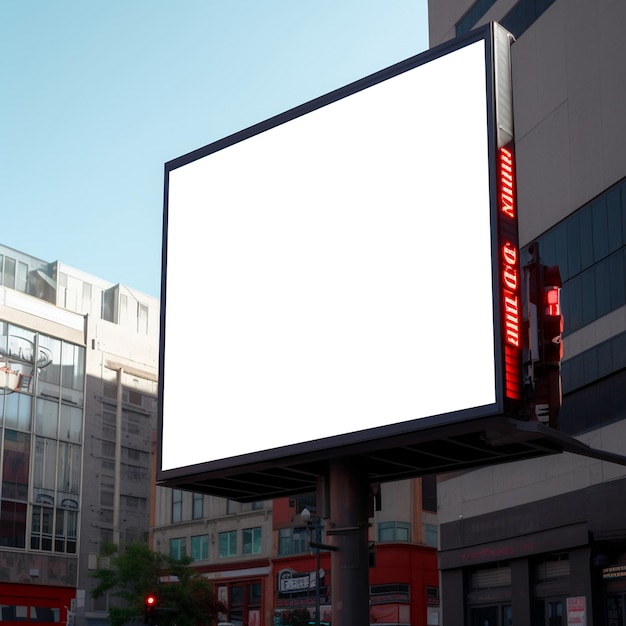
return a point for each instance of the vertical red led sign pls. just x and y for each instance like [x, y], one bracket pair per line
[510, 274]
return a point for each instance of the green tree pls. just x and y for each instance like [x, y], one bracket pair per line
[185, 597]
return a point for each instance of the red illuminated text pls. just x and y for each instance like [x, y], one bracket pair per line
[507, 193]
[510, 281]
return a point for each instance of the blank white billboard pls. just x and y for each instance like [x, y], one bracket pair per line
[331, 271]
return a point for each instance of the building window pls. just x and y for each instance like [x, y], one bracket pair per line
[553, 567]
[431, 535]
[15, 463]
[590, 249]
[142, 319]
[394, 531]
[21, 278]
[41, 528]
[17, 410]
[68, 473]
[252, 540]
[177, 506]
[490, 577]
[9, 272]
[429, 493]
[200, 548]
[65, 529]
[178, 548]
[12, 524]
[44, 468]
[197, 506]
[71, 423]
[292, 541]
[228, 544]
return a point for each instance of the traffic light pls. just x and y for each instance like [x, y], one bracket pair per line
[150, 608]
[550, 318]
[546, 337]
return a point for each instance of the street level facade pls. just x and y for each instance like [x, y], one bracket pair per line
[266, 571]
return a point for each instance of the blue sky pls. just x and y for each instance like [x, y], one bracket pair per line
[98, 94]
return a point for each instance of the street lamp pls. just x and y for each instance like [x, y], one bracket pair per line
[317, 525]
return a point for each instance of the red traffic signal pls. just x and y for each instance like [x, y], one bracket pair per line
[550, 318]
[150, 612]
[545, 324]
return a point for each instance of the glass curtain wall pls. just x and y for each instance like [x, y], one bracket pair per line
[41, 420]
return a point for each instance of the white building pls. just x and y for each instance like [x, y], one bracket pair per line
[78, 366]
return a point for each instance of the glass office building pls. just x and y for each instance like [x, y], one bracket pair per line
[543, 542]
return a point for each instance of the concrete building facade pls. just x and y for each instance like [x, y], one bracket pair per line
[543, 542]
[78, 371]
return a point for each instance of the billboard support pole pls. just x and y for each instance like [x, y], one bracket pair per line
[349, 498]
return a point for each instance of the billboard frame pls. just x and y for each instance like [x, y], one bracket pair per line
[277, 470]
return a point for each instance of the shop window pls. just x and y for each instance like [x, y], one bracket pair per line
[549, 612]
[490, 578]
[496, 615]
[615, 613]
[254, 594]
[554, 567]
